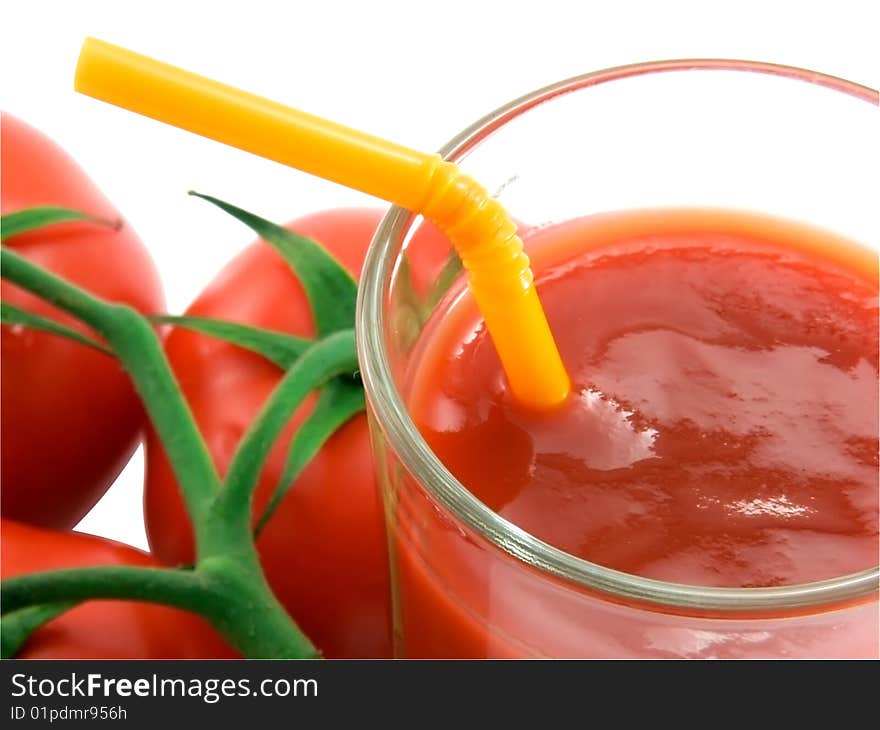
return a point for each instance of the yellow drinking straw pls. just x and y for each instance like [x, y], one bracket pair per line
[499, 275]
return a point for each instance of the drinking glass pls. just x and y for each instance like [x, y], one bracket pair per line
[717, 133]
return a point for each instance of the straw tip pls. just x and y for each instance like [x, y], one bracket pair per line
[81, 73]
[92, 57]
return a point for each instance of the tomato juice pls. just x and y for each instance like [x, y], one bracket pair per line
[722, 431]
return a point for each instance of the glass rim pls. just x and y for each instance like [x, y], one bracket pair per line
[392, 417]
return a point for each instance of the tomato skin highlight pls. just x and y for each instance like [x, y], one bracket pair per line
[324, 550]
[102, 629]
[70, 417]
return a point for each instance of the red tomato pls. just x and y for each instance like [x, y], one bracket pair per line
[70, 417]
[102, 629]
[324, 550]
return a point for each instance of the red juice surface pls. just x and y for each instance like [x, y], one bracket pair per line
[723, 427]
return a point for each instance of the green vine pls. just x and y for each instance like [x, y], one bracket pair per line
[226, 585]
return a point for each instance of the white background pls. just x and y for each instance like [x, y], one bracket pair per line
[415, 72]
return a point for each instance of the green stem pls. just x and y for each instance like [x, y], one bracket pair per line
[71, 299]
[18, 626]
[233, 598]
[327, 358]
[228, 586]
[248, 614]
[138, 348]
[156, 585]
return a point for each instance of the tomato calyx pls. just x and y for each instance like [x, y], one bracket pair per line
[279, 348]
[332, 293]
[32, 219]
[29, 219]
[226, 584]
[330, 289]
[18, 317]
